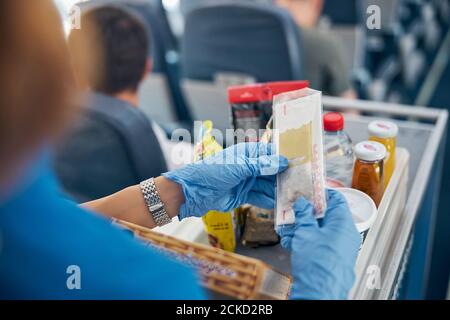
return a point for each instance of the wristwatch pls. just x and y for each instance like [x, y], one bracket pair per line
[153, 202]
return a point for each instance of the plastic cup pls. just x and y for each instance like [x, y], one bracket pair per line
[363, 209]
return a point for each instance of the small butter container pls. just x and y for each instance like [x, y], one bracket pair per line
[363, 209]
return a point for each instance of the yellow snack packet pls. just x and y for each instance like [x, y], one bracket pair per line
[218, 225]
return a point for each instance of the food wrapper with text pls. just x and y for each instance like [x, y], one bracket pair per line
[297, 136]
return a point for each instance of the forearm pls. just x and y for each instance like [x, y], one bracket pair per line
[129, 204]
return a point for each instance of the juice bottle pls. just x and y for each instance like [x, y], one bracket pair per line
[368, 173]
[385, 132]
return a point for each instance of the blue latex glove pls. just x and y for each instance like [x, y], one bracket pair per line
[244, 173]
[323, 253]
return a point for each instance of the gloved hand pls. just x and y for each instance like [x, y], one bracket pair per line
[323, 253]
[244, 173]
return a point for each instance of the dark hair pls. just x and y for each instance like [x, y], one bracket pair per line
[110, 49]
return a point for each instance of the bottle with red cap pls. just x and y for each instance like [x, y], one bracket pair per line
[338, 151]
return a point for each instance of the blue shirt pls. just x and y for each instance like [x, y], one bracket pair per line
[42, 235]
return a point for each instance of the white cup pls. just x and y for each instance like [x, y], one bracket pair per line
[363, 209]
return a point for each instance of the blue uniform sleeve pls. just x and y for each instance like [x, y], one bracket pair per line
[127, 269]
[48, 244]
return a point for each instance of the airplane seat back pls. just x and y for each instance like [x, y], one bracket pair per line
[259, 40]
[242, 39]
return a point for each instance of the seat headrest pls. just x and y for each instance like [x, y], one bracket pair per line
[260, 40]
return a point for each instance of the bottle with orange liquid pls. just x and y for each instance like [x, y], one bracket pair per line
[368, 173]
[385, 132]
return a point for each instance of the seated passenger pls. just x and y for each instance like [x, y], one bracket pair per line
[113, 145]
[324, 57]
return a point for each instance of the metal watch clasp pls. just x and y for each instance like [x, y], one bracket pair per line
[156, 207]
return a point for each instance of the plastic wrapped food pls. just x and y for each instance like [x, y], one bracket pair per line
[297, 135]
[258, 227]
[251, 108]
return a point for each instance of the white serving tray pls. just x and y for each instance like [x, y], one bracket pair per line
[371, 264]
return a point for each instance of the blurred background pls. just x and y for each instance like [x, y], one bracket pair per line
[403, 60]
[393, 51]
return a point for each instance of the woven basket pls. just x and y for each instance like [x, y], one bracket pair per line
[223, 272]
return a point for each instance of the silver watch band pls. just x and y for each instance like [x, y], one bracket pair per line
[153, 202]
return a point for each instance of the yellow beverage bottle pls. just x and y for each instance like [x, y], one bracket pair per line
[385, 132]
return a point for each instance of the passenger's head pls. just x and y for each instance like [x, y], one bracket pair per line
[35, 82]
[110, 50]
[306, 13]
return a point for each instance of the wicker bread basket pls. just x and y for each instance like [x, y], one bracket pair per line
[223, 272]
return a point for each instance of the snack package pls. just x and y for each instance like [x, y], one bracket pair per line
[257, 226]
[218, 225]
[297, 135]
